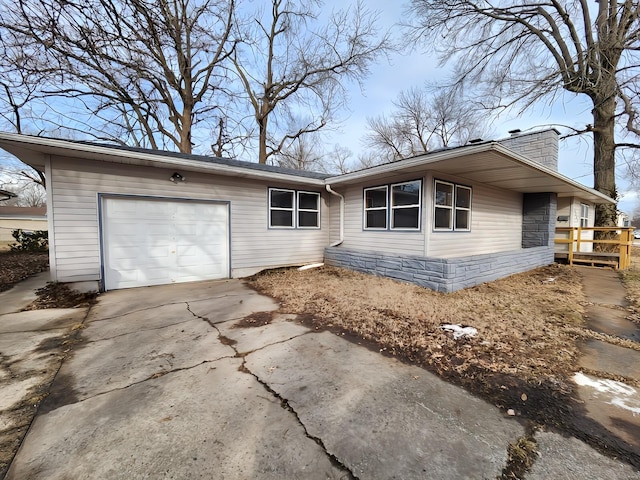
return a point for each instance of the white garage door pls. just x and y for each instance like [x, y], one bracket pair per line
[155, 242]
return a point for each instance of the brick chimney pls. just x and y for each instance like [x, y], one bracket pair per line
[541, 146]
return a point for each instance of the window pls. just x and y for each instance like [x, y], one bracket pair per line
[375, 207]
[452, 207]
[393, 207]
[584, 215]
[405, 205]
[308, 210]
[292, 209]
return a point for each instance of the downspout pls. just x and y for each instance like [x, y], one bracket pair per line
[341, 239]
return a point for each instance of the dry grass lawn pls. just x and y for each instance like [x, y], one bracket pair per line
[528, 326]
[631, 278]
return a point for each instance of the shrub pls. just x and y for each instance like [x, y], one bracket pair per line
[27, 241]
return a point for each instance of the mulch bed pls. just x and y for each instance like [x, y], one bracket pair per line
[15, 267]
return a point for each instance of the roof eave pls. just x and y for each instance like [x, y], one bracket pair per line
[16, 143]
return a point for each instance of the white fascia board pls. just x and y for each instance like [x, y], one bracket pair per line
[46, 145]
[429, 158]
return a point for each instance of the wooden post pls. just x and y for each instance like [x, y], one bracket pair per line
[571, 246]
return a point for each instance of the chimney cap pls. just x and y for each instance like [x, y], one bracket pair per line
[475, 140]
[514, 132]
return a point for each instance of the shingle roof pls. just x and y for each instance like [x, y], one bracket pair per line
[210, 159]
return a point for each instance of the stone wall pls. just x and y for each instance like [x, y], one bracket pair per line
[440, 274]
[541, 147]
[538, 219]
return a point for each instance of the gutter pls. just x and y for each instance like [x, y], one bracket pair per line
[333, 192]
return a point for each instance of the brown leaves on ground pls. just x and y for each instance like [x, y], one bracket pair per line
[526, 325]
[59, 295]
[15, 267]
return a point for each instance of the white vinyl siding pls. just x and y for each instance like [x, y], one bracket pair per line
[75, 184]
[370, 240]
[496, 226]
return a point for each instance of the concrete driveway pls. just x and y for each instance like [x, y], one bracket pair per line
[176, 382]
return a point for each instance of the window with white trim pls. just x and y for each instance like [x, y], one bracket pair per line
[452, 207]
[584, 215]
[396, 206]
[293, 209]
[405, 205]
[375, 208]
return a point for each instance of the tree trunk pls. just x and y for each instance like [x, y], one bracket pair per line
[185, 131]
[262, 124]
[604, 161]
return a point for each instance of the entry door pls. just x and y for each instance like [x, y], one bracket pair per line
[155, 242]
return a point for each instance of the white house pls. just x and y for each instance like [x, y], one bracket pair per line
[125, 217]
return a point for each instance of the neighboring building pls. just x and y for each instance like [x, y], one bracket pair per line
[124, 217]
[25, 218]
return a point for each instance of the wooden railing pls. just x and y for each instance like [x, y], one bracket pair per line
[580, 245]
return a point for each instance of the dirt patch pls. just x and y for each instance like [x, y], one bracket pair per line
[16, 267]
[256, 319]
[59, 295]
[522, 358]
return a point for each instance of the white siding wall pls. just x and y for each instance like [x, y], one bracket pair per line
[356, 238]
[496, 224]
[75, 185]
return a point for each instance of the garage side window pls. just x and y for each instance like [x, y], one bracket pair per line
[281, 208]
[293, 209]
[452, 207]
[308, 210]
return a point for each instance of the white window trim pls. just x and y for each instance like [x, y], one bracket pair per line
[465, 209]
[393, 207]
[283, 209]
[294, 209]
[370, 209]
[316, 211]
[452, 208]
[583, 207]
[448, 207]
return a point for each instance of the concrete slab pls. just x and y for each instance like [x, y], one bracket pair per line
[224, 308]
[612, 322]
[605, 357]
[381, 418]
[148, 319]
[23, 293]
[120, 302]
[603, 286]
[614, 405]
[42, 320]
[114, 363]
[568, 458]
[27, 352]
[253, 338]
[209, 421]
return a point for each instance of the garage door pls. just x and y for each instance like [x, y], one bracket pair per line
[155, 242]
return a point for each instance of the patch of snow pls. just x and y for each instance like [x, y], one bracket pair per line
[605, 386]
[624, 403]
[550, 279]
[459, 331]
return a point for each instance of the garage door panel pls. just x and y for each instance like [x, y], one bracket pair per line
[153, 242]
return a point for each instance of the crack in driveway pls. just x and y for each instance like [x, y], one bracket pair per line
[284, 403]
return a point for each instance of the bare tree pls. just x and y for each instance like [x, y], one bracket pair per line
[24, 182]
[292, 64]
[421, 122]
[145, 72]
[522, 51]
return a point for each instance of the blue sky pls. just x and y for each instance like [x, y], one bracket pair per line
[402, 71]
